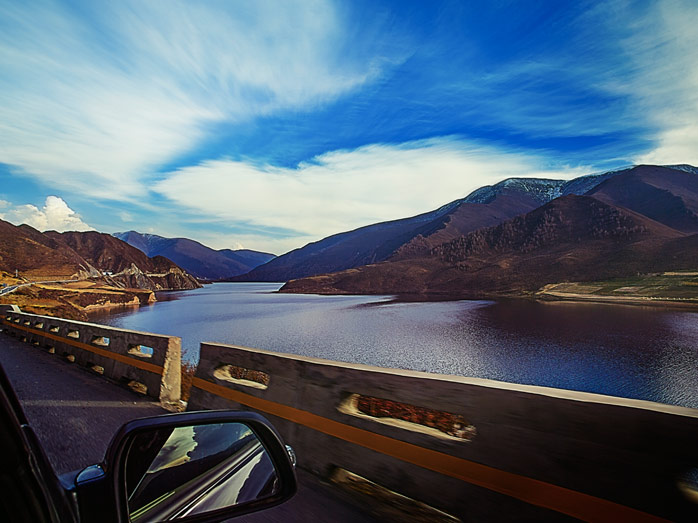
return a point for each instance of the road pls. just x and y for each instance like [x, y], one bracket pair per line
[12, 288]
[76, 413]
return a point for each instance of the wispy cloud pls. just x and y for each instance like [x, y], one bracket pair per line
[95, 99]
[345, 189]
[623, 68]
[54, 215]
[663, 48]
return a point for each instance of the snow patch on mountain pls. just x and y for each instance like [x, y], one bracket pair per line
[683, 167]
[541, 189]
[545, 190]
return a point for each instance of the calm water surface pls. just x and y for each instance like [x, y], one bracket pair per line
[637, 352]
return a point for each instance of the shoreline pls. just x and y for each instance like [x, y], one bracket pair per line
[75, 301]
[89, 310]
[642, 301]
[544, 296]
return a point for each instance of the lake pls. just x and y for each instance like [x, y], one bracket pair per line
[646, 353]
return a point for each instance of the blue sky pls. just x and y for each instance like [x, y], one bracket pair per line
[267, 125]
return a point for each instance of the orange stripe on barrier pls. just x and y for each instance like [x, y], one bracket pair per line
[143, 365]
[533, 491]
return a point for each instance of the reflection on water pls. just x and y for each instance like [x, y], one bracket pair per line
[639, 352]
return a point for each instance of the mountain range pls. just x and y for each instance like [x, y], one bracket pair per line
[378, 242]
[510, 237]
[52, 255]
[636, 220]
[415, 236]
[197, 259]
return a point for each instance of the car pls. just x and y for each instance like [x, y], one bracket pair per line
[198, 467]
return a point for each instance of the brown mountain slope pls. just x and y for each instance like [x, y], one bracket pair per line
[401, 239]
[104, 251]
[574, 238]
[129, 266]
[416, 236]
[37, 256]
[467, 217]
[666, 195]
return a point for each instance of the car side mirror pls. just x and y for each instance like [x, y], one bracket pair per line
[195, 466]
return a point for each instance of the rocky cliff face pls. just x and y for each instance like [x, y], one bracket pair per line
[172, 278]
[124, 265]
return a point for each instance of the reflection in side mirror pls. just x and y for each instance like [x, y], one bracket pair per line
[172, 473]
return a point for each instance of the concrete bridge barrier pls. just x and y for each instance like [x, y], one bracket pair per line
[148, 363]
[477, 449]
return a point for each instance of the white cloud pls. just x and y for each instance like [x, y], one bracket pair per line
[95, 102]
[125, 216]
[663, 48]
[342, 190]
[54, 215]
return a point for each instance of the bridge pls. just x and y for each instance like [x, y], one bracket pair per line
[387, 444]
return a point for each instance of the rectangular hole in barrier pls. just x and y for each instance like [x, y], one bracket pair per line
[39, 325]
[411, 417]
[8, 318]
[27, 322]
[73, 334]
[17, 320]
[387, 504]
[135, 386]
[53, 328]
[102, 341]
[242, 376]
[142, 351]
[96, 368]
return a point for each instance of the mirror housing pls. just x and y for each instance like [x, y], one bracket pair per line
[101, 490]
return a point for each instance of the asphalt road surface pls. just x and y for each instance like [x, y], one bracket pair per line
[75, 414]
